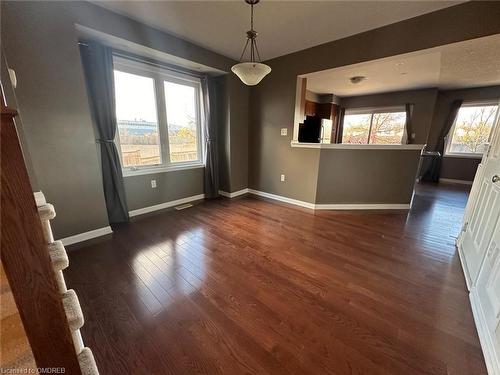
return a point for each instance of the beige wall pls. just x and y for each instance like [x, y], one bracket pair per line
[366, 176]
[273, 100]
[40, 42]
[170, 186]
[272, 106]
[459, 168]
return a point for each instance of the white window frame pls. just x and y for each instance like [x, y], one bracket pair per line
[159, 75]
[371, 112]
[449, 137]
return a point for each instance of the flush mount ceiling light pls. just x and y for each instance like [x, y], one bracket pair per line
[357, 79]
[251, 72]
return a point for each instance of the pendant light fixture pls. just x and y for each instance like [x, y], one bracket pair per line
[251, 72]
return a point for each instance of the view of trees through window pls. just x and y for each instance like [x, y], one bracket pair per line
[138, 126]
[374, 128]
[181, 117]
[472, 129]
[356, 129]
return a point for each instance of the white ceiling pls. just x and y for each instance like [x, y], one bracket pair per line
[473, 63]
[283, 26]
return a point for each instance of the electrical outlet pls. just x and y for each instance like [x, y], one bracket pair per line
[282, 178]
[284, 131]
[153, 184]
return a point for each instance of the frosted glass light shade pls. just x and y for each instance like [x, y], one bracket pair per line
[251, 73]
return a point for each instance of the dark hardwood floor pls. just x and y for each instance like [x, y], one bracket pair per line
[250, 286]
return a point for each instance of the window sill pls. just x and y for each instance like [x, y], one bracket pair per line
[345, 146]
[145, 171]
[463, 156]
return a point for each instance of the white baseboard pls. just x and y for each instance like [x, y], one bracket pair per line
[282, 199]
[363, 206]
[452, 181]
[335, 206]
[234, 193]
[161, 206]
[491, 357]
[86, 236]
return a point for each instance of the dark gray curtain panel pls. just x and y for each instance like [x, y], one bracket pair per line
[408, 110]
[340, 124]
[97, 63]
[433, 172]
[210, 131]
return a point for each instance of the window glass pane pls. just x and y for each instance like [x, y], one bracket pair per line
[472, 129]
[182, 126]
[137, 120]
[388, 128]
[356, 129]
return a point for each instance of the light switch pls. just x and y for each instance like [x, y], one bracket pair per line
[282, 178]
[153, 184]
[284, 131]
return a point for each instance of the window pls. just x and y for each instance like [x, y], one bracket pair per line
[471, 131]
[137, 120]
[182, 125]
[385, 126]
[356, 128]
[158, 117]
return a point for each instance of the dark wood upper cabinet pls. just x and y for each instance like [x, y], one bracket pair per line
[323, 110]
[310, 108]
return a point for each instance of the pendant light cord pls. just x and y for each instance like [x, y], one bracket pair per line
[252, 59]
[251, 36]
[251, 17]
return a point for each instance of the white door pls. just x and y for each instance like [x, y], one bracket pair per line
[486, 301]
[479, 247]
[482, 211]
